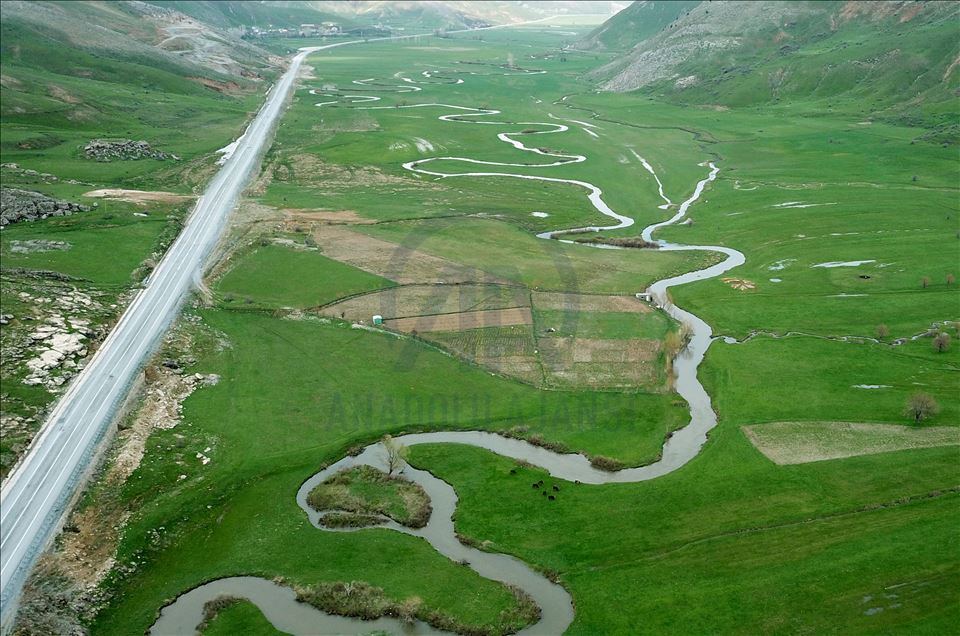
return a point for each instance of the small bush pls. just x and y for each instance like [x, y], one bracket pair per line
[349, 520]
[921, 406]
[635, 242]
[609, 464]
[941, 342]
[384, 495]
[213, 607]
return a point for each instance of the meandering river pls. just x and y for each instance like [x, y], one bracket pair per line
[279, 604]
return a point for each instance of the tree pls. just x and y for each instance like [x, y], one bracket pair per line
[673, 343]
[396, 454]
[921, 406]
[925, 282]
[951, 279]
[941, 342]
[882, 331]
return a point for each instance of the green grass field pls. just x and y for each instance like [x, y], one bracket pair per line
[240, 617]
[102, 254]
[63, 86]
[730, 543]
[264, 279]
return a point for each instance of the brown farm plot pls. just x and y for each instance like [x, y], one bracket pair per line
[390, 260]
[508, 350]
[599, 363]
[463, 320]
[421, 300]
[588, 302]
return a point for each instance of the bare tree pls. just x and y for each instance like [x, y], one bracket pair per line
[921, 406]
[673, 343]
[925, 282]
[396, 454]
[941, 342]
[951, 279]
[882, 331]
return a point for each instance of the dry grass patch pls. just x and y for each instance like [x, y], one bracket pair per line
[421, 300]
[398, 263]
[740, 284]
[803, 442]
[310, 170]
[324, 216]
[588, 302]
[140, 197]
[597, 363]
[507, 350]
[463, 320]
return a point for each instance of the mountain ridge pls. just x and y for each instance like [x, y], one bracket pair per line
[894, 59]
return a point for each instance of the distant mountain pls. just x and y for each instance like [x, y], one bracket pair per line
[461, 14]
[237, 13]
[894, 59]
[424, 15]
[509, 11]
[407, 14]
[636, 23]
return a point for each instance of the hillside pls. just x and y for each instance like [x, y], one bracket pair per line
[236, 13]
[405, 14]
[84, 69]
[634, 24]
[894, 60]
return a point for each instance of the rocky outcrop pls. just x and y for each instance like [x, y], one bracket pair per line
[25, 205]
[123, 150]
[708, 30]
[22, 173]
[52, 349]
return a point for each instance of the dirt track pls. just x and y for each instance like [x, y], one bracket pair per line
[139, 196]
[327, 216]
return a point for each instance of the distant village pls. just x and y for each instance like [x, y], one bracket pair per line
[323, 29]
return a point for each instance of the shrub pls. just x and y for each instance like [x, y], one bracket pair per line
[213, 607]
[921, 406]
[609, 464]
[349, 520]
[636, 242]
[941, 342]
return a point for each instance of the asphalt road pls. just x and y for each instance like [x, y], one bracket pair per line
[35, 495]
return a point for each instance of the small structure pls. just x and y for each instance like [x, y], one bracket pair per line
[378, 319]
[644, 296]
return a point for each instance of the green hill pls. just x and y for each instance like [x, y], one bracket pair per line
[888, 60]
[636, 23]
[236, 13]
[74, 71]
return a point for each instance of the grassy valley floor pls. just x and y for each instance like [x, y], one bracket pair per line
[731, 542]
